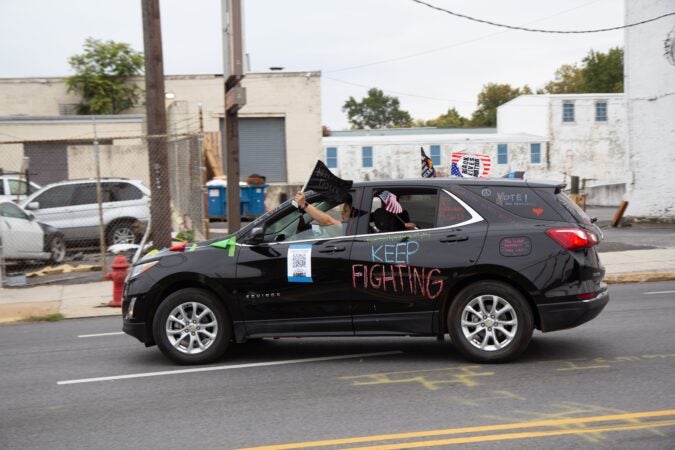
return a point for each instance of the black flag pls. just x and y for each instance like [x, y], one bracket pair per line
[428, 170]
[323, 181]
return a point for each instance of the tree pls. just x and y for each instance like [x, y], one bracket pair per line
[599, 72]
[102, 77]
[492, 96]
[451, 119]
[376, 111]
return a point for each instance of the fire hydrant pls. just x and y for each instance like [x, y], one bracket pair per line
[120, 268]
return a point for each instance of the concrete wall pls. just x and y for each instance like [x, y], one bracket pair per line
[525, 114]
[650, 88]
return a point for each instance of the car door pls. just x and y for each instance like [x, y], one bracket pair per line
[22, 237]
[402, 277]
[54, 207]
[295, 282]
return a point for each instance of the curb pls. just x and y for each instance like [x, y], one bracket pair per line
[639, 277]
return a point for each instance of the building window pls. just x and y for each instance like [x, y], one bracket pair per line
[367, 156]
[331, 157]
[435, 151]
[568, 112]
[535, 153]
[601, 112]
[502, 154]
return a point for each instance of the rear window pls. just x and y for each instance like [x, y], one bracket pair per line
[521, 201]
[579, 214]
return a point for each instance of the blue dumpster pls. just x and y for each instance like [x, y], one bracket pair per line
[251, 198]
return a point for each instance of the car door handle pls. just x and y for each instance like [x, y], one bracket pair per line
[333, 249]
[455, 238]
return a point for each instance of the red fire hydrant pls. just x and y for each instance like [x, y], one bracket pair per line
[120, 267]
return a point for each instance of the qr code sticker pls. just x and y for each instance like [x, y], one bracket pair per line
[299, 263]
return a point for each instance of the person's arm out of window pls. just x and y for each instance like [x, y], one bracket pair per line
[322, 218]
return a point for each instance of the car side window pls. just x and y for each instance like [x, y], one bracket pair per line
[402, 209]
[450, 212]
[18, 187]
[121, 192]
[295, 226]
[12, 211]
[85, 194]
[56, 197]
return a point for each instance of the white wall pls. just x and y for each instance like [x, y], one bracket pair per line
[525, 114]
[650, 88]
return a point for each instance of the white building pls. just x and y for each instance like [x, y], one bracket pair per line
[650, 90]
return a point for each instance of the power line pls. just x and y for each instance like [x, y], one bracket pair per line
[537, 30]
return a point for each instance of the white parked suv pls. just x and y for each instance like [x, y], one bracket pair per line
[15, 188]
[72, 207]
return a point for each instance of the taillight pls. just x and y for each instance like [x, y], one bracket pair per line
[572, 238]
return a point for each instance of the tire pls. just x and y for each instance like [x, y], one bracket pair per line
[490, 338]
[57, 250]
[122, 233]
[179, 340]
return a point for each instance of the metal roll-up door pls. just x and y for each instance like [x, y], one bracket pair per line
[262, 148]
[48, 161]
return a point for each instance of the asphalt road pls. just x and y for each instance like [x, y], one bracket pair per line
[609, 384]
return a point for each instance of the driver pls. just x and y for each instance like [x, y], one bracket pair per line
[323, 218]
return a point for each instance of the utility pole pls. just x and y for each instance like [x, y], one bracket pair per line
[160, 205]
[235, 98]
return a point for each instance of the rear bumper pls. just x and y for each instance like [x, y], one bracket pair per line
[569, 314]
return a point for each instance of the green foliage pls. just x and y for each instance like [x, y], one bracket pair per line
[451, 119]
[187, 235]
[51, 317]
[598, 73]
[492, 96]
[102, 77]
[376, 111]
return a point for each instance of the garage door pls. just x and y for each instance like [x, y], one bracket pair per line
[262, 148]
[48, 162]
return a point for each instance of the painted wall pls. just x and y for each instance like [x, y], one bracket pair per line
[650, 88]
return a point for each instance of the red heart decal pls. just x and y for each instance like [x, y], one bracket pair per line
[537, 211]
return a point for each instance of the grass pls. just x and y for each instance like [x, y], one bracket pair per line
[51, 317]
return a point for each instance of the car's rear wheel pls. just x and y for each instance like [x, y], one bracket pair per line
[57, 250]
[490, 322]
[122, 233]
[191, 326]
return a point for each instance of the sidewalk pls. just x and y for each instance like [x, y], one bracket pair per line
[90, 299]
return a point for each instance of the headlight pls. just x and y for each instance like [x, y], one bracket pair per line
[140, 268]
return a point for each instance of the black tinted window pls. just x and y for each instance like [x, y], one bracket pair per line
[11, 210]
[85, 194]
[120, 192]
[521, 200]
[56, 197]
[450, 212]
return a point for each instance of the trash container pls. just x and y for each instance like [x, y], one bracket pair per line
[251, 199]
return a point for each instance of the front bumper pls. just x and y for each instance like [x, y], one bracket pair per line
[569, 314]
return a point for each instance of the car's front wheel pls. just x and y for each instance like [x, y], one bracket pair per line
[57, 250]
[191, 326]
[122, 233]
[490, 322]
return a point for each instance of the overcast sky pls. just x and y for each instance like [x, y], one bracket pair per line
[428, 59]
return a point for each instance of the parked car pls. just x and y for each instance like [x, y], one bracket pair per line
[22, 237]
[72, 207]
[15, 188]
[490, 261]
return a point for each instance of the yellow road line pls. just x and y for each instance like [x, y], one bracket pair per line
[479, 429]
[513, 436]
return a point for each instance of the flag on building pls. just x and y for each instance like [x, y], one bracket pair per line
[428, 170]
[391, 203]
[328, 185]
[473, 166]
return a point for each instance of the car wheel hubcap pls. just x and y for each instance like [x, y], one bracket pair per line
[191, 328]
[58, 250]
[123, 236]
[489, 322]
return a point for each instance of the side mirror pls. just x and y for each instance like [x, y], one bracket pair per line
[257, 236]
[30, 216]
[33, 206]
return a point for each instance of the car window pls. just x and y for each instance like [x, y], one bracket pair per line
[11, 210]
[2, 187]
[18, 187]
[120, 192]
[56, 197]
[450, 212]
[579, 214]
[521, 201]
[292, 225]
[417, 209]
[85, 194]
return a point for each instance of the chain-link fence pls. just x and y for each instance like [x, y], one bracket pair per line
[77, 202]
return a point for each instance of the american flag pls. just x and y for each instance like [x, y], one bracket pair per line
[391, 204]
[466, 165]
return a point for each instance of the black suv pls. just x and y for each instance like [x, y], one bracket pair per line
[487, 262]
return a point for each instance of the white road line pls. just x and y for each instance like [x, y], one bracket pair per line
[100, 334]
[660, 292]
[236, 366]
